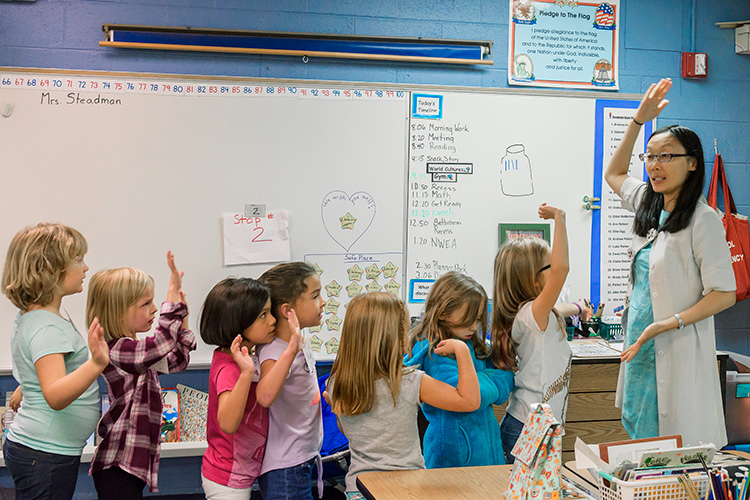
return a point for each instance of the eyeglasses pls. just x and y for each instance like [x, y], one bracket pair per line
[545, 268]
[661, 157]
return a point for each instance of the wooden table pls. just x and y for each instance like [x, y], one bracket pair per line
[475, 483]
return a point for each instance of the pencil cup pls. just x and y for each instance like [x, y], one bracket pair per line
[589, 327]
[570, 331]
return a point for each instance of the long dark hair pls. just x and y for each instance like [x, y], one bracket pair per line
[647, 215]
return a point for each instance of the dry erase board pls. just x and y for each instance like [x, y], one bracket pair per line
[143, 164]
[480, 161]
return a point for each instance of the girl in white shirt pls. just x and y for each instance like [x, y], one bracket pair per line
[527, 332]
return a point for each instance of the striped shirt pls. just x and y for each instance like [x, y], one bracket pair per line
[131, 428]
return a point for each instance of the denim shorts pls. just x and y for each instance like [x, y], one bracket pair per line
[510, 430]
[41, 475]
[292, 483]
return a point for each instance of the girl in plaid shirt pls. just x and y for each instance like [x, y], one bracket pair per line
[127, 459]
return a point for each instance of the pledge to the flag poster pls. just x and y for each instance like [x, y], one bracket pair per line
[563, 43]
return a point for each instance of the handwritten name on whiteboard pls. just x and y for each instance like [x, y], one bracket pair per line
[252, 240]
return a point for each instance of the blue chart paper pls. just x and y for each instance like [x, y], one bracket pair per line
[563, 43]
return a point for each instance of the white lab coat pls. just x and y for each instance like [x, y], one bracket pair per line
[683, 267]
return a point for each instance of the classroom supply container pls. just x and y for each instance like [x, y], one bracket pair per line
[610, 331]
[590, 327]
[738, 407]
[570, 331]
[668, 488]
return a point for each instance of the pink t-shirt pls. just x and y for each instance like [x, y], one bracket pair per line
[233, 460]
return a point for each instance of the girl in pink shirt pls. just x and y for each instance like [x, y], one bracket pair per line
[236, 317]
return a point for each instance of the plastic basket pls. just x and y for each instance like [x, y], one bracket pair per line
[570, 331]
[668, 488]
[610, 331]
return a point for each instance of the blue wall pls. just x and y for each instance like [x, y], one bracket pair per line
[65, 34]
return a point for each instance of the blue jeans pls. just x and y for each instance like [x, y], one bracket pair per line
[510, 429]
[293, 483]
[40, 475]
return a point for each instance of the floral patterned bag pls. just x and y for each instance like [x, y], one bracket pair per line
[536, 471]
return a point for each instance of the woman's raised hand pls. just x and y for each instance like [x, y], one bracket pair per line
[653, 101]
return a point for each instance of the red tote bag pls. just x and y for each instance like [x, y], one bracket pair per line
[736, 227]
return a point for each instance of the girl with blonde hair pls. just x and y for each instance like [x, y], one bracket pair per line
[50, 361]
[376, 397]
[127, 459]
[456, 308]
[528, 333]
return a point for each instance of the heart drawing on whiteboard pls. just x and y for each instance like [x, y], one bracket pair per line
[346, 218]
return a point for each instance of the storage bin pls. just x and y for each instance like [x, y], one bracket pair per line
[650, 489]
[610, 331]
[738, 407]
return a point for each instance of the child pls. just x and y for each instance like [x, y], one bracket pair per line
[56, 376]
[236, 317]
[127, 459]
[376, 398]
[455, 307]
[288, 386]
[525, 325]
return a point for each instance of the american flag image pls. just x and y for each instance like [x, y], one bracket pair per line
[605, 16]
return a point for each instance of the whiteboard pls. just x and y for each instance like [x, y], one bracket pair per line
[478, 160]
[155, 168]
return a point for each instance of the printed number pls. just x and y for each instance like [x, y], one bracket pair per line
[201, 89]
[81, 84]
[7, 81]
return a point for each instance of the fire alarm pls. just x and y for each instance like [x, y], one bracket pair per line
[694, 65]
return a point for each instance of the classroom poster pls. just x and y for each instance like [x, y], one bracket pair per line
[563, 44]
[611, 233]
[343, 277]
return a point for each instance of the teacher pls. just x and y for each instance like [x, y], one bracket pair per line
[680, 276]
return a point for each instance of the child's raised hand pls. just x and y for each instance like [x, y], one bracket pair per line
[241, 355]
[450, 346]
[97, 345]
[296, 339]
[653, 101]
[547, 212]
[175, 280]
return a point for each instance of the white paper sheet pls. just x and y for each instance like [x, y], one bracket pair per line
[251, 240]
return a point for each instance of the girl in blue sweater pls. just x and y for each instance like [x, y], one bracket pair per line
[456, 308]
